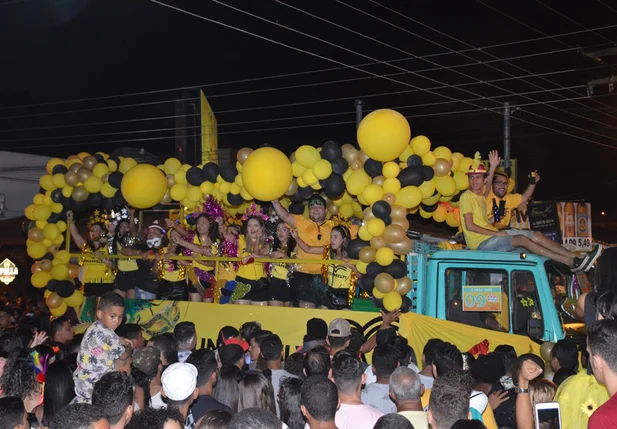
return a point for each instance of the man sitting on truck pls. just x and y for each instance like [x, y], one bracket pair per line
[481, 235]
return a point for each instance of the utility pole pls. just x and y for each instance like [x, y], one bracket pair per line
[506, 137]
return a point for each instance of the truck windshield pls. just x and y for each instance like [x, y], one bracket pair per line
[566, 287]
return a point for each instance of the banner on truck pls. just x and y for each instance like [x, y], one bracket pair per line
[158, 317]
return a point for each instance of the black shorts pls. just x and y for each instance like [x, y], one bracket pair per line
[338, 299]
[259, 289]
[309, 288]
[279, 290]
[126, 280]
[97, 289]
[173, 291]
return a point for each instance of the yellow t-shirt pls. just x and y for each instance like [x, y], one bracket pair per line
[339, 276]
[312, 234]
[474, 204]
[254, 271]
[171, 270]
[95, 270]
[125, 264]
[199, 264]
[487, 416]
[512, 202]
[503, 318]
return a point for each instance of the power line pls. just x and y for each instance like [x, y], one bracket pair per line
[572, 20]
[604, 4]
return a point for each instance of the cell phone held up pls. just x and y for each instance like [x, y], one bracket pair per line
[532, 177]
[547, 415]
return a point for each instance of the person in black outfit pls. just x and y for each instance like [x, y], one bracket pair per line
[205, 362]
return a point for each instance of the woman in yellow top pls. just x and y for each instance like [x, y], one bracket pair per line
[283, 247]
[96, 272]
[204, 242]
[172, 273]
[252, 275]
[123, 224]
[339, 277]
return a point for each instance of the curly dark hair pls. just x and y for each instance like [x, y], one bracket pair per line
[19, 378]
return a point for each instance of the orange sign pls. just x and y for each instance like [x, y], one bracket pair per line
[482, 298]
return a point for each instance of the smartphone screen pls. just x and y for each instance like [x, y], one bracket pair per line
[548, 418]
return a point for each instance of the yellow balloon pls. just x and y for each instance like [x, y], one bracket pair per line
[461, 181]
[113, 166]
[464, 164]
[59, 311]
[391, 186]
[425, 214]
[429, 159]
[357, 181]
[383, 134]
[51, 231]
[93, 184]
[60, 272]
[309, 177]
[143, 186]
[40, 224]
[128, 163]
[180, 177]
[38, 199]
[235, 188]
[377, 294]
[443, 152]
[451, 221]
[427, 188]
[29, 212]
[171, 165]
[409, 197]
[63, 256]
[76, 299]
[58, 180]
[322, 169]
[41, 212]
[375, 227]
[439, 215]
[100, 170]
[47, 199]
[52, 163]
[57, 208]
[390, 170]
[107, 190]
[67, 191]
[40, 279]
[392, 301]
[224, 187]
[406, 154]
[61, 225]
[189, 204]
[384, 256]
[193, 193]
[206, 188]
[46, 182]
[361, 267]
[363, 233]
[372, 193]
[456, 162]
[445, 185]
[267, 173]
[297, 169]
[432, 200]
[346, 211]
[307, 156]
[420, 145]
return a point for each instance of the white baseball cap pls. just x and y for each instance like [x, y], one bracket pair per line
[179, 381]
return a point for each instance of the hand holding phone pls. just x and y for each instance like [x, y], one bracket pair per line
[547, 415]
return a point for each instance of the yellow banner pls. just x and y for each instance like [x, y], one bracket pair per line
[209, 135]
[157, 317]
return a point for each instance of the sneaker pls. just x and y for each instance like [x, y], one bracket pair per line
[592, 257]
[577, 265]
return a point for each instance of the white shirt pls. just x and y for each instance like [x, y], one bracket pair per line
[378, 396]
[355, 417]
[372, 378]
[277, 376]
[156, 402]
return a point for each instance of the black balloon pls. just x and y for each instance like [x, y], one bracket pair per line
[381, 209]
[366, 283]
[378, 303]
[191, 220]
[411, 176]
[95, 200]
[456, 198]
[56, 196]
[429, 209]
[48, 256]
[108, 204]
[334, 186]
[27, 225]
[59, 169]
[406, 306]
[115, 179]
[296, 198]
[354, 247]
[193, 176]
[99, 158]
[119, 199]
[339, 166]
[229, 173]
[331, 151]
[80, 206]
[427, 173]
[51, 285]
[306, 193]
[373, 168]
[210, 172]
[296, 208]
[53, 218]
[65, 288]
[373, 268]
[235, 199]
[114, 159]
[397, 269]
[414, 161]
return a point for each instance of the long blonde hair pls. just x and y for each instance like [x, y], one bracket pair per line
[542, 390]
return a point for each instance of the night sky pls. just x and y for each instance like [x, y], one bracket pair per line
[56, 51]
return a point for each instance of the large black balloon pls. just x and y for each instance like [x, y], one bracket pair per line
[414, 161]
[429, 209]
[407, 304]
[366, 283]
[229, 173]
[193, 176]
[99, 158]
[397, 269]
[334, 186]
[373, 268]
[373, 168]
[119, 199]
[411, 176]
[210, 172]
[377, 302]
[296, 208]
[59, 169]
[95, 200]
[381, 209]
[108, 204]
[235, 199]
[331, 151]
[339, 166]
[65, 288]
[115, 179]
[427, 173]
[56, 196]
[354, 247]
[306, 193]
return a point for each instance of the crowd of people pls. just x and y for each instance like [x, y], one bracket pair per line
[265, 232]
[111, 377]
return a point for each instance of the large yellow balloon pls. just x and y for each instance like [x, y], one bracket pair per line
[143, 186]
[39, 280]
[36, 250]
[76, 299]
[392, 301]
[267, 174]
[420, 145]
[445, 185]
[408, 197]
[357, 181]
[384, 256]
[384, 134]
[60, 272]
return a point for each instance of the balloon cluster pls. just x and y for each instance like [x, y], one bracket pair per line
[389, 177]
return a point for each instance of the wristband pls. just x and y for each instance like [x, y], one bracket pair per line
[520, 390]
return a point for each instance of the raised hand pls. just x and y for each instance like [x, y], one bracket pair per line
[494, 159]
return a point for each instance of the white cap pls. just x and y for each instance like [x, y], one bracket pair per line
[179, 381]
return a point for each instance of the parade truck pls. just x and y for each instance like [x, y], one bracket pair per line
[516, 293]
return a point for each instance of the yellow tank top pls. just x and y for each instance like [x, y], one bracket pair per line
[339, 276]
[125, 264]
[95, 270]
[254, 271]
[171, 270]
[280, 270]
[213, 249]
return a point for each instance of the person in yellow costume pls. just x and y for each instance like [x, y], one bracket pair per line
[123, 224]
[339, 278]
[283, 247]
[96, 272]
[172, 273]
